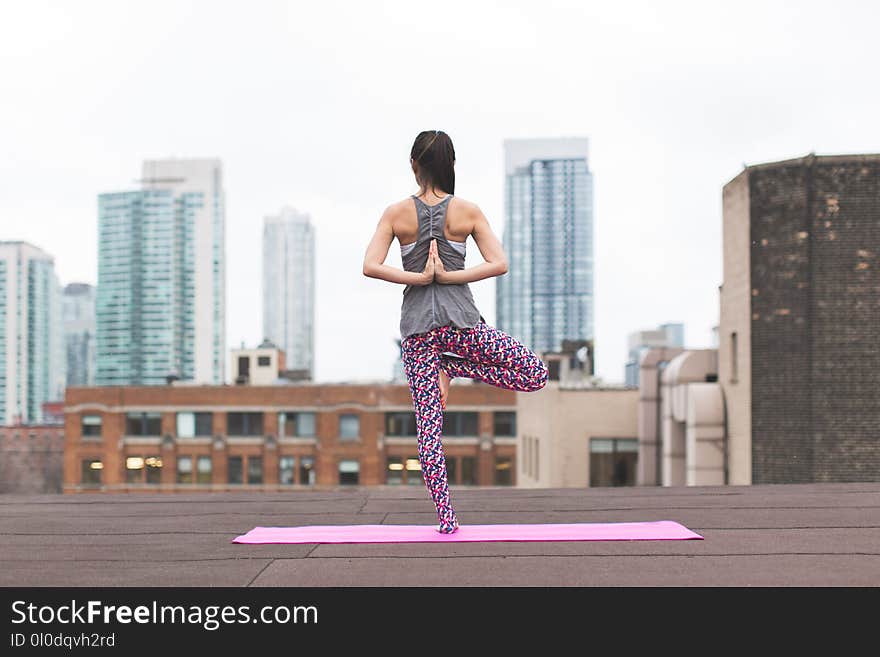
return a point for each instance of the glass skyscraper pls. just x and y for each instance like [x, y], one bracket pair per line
[32, 368]
[289, 286]
[160, 306]
[547, 295]
[78, 314]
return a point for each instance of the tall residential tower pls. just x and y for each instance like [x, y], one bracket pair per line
[162, 277]
[31, 345]
[797, 356]
[547, 295]
[78, 314]
[289, 287]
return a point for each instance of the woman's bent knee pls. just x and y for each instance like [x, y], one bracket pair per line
[542, 377]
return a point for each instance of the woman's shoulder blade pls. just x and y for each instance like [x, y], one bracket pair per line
[463, 203]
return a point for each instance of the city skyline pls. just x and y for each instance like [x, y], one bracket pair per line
[673, 99]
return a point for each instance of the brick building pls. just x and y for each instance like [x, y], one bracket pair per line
[798, 354]
[31, 458]
[31, 455]
[201, 437]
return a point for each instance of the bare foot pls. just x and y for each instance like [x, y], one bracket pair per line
[444, 388]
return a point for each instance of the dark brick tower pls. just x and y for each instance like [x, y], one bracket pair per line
[813, 316]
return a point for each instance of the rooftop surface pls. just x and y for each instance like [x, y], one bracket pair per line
[779, 535]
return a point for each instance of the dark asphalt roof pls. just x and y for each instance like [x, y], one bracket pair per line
[773, 535]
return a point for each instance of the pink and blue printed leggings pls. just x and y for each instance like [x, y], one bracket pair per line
[485, 354]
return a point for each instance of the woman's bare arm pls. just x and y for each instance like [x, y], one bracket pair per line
[377, 251]
[490, 247]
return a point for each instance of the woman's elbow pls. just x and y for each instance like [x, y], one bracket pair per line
[502, 268]
[368, 270]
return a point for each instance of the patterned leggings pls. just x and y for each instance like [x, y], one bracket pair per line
[484, 354]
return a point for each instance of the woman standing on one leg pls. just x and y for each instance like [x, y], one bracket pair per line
[444, 335]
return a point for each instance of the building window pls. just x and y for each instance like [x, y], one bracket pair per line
[234, 473]
[204, 424]
[400, 424]
[469, 470]
[394, 471]
[286, 424]
[305, 424]
[286, 470]
[190, 425]
[244, 424]
[504, 423]
[91, 425]
[306, 471]
[349, 471]
[503, 471]
[734, 364]
[91, 472]
[184, 470]
[413, 471]
[255, 469]
[186, 425]
[296, 424]
[204, 470]
[140, 470]
[613, 461]
[134, 470]
[349, 426]
[536, 456]
[264, 361]
[244, 366]
[143, 424]
[451, 470]
[459, 423]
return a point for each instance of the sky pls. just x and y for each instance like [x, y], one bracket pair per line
[316, 105]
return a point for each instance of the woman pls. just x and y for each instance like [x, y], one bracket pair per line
[443, 334]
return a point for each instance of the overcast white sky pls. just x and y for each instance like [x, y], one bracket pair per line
[316, 105]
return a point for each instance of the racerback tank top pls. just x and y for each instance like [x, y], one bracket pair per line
[437, 304]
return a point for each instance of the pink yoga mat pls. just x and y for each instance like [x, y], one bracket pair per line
[663, 530]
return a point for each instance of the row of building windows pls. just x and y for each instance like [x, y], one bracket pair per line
[300, 470]
[297, 424]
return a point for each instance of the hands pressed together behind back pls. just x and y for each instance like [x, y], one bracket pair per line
[434, 271]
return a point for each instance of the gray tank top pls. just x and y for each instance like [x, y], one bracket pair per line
[436, 304]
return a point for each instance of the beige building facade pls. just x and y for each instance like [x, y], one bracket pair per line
[573, 436]
[261, 366]
[734, 331]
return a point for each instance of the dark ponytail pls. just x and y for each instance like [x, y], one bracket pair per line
[435, 156]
